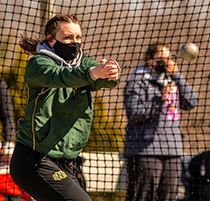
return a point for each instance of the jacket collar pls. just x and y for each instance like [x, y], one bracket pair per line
[44, 48]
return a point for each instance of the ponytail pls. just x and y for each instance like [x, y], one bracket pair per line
[28, 44]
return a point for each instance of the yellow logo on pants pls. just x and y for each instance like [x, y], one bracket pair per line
[57, 176]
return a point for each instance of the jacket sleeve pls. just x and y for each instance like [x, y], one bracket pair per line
[42, 71]
[188, 98]
[99, 83]
[139, 103]
[103, 83]
[6, 113]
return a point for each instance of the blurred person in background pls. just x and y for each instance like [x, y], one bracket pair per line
[9, 191]
[154, 94]
[7, 142]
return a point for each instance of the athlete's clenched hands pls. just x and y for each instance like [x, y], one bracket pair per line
[107, 69]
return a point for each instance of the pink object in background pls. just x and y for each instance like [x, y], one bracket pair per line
[172, 103]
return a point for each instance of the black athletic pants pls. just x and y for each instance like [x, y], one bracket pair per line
[45, 178]
[153, 178]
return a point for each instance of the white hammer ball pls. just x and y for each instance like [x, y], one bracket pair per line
[189, 51]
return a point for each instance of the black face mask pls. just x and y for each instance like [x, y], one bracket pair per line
[67, 51]
[160, 67]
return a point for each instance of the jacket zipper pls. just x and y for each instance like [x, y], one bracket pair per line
[74, 97]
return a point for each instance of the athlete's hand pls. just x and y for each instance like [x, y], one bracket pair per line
[107, 69]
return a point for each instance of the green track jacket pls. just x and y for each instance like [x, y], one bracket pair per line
[58, 113]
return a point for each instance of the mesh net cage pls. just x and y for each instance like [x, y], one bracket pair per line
[121, 30]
